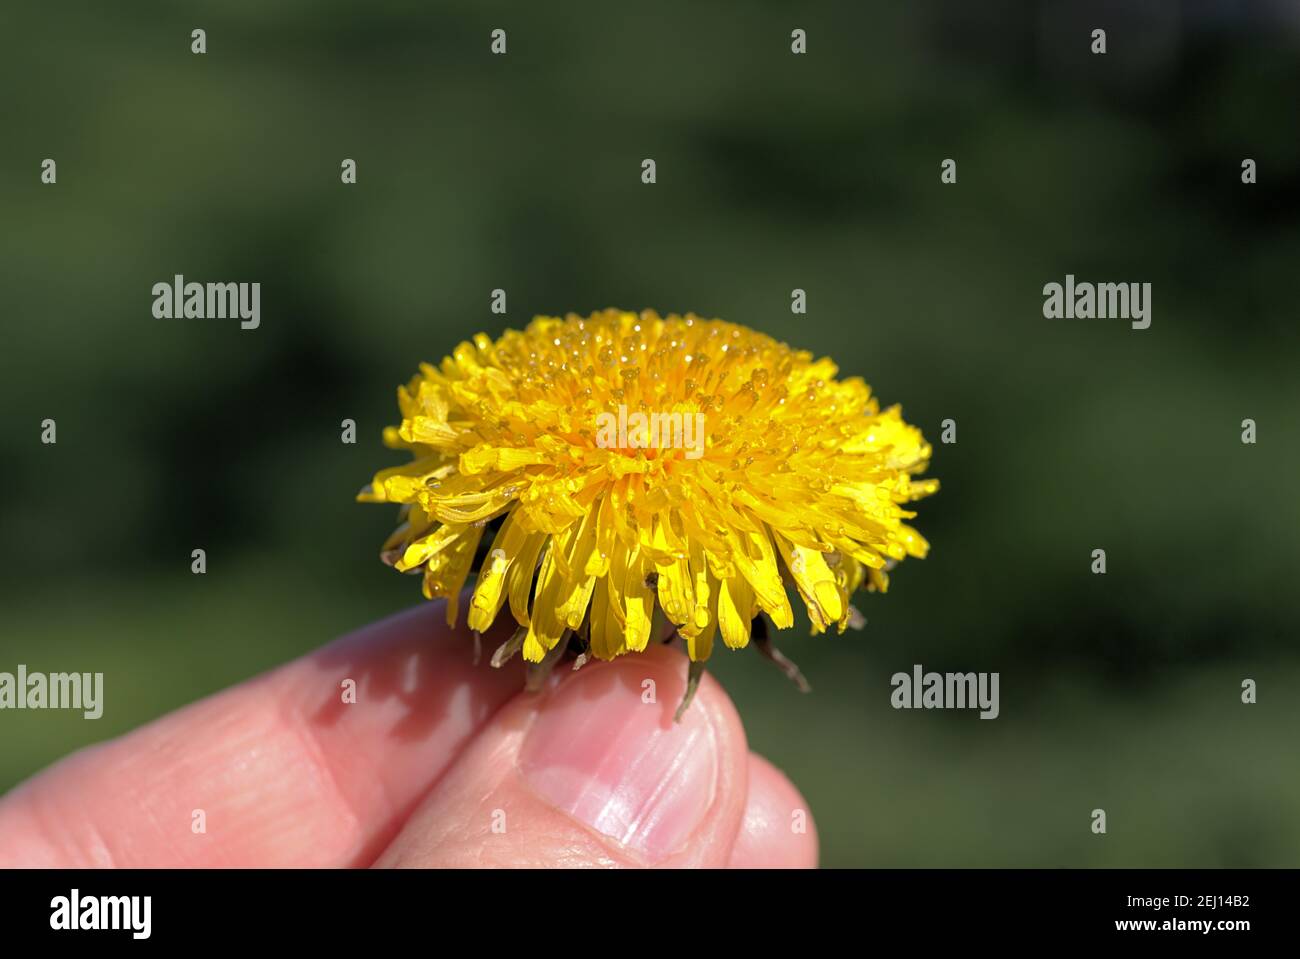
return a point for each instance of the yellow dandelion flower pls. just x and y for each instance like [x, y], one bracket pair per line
[634, 471]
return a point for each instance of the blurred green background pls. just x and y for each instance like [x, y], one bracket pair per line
[775, 171]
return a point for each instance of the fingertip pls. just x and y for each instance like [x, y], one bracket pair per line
[593, 771]
[607, 749]
[778, 830]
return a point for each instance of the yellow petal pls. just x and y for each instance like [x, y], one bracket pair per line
[638, 603]
[545, 629]
[489, 592]
[700, 646]
[519, 578]
[816, 583]
[606, 636]
[756, 559]
[445, 572]
[425, 548]
[735, 611]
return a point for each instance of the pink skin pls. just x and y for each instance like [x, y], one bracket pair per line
[437, 763]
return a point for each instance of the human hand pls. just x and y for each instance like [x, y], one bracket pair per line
[438, 763]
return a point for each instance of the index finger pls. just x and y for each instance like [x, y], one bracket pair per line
[282, 770]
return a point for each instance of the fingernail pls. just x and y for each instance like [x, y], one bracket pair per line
[620, 765]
